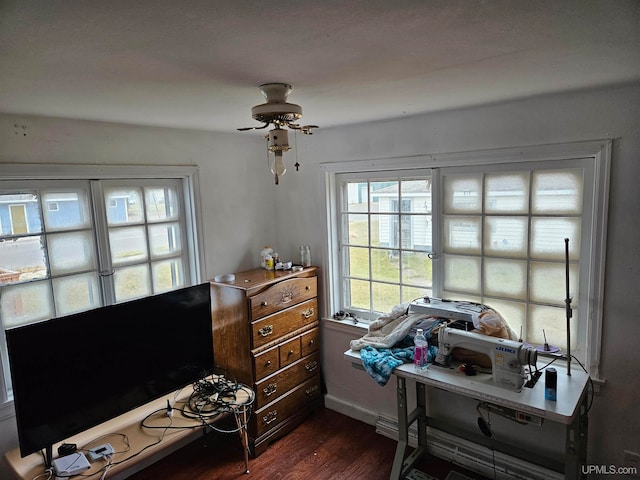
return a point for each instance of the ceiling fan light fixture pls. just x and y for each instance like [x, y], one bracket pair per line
[278, 143]
[282, 115]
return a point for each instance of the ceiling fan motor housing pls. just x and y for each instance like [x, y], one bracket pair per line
[276, 109]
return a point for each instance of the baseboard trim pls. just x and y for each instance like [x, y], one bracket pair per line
[350, 410]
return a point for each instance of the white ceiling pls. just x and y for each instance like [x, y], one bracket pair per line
[198, 63]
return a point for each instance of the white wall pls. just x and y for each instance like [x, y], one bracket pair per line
[578, 116]
[243, 210]
[237, 191]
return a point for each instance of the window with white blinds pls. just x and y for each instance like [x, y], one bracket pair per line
[490, 227]
[504, 236]
[70, 245]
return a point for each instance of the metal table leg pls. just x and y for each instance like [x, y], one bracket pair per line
[240, 414]
[401, 466]
[403, 429]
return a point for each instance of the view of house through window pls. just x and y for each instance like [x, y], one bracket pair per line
[386, 242]
[71, 246]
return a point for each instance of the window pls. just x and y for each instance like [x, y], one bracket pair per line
[490, 227]
[503, 244]
[71, 245]
[385, 241]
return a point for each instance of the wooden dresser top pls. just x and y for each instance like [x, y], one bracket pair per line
[259, 277]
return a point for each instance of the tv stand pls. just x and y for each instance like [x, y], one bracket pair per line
[48, 456]
[135, 445]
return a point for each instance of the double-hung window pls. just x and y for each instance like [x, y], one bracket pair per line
[509, 229]
[74, 244]
[385, 240]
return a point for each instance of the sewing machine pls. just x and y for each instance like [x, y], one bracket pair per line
[507, 357]
[443, 309]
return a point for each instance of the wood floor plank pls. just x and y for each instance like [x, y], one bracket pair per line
[327, 446]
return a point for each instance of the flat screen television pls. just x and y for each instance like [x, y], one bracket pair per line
[72, 373]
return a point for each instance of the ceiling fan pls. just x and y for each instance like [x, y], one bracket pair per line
[282, 115]
[277, 111]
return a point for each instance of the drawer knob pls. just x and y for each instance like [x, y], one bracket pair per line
[266, 330]
[268, 363]
[307, 287]
[308, 313]
[311, 366]
[270, 417]
[311, 342]
[291, 352]
[263, 304]
[312, 391]
[270, 389]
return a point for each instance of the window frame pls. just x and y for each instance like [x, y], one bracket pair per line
[187, 175]
[398, 214]
[596, 152]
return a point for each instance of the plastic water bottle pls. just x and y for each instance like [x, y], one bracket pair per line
[421, 351]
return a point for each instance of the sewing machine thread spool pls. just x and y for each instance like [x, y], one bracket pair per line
[550, 384]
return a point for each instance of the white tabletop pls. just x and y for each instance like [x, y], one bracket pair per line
[570, 389]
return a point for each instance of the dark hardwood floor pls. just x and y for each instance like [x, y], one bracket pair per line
[327, 445]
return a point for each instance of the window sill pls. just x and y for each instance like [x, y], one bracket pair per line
[347, 326]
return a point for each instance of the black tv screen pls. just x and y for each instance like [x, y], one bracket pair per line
[72, 373]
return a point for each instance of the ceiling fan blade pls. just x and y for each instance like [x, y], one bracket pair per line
[306, 129]
[253, 128]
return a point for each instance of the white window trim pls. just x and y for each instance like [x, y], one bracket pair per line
[189, 175]
[599, 151]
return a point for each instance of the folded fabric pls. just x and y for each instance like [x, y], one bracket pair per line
[388, 329]
[379, 363]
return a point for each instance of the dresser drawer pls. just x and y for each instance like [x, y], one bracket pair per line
[283, 295]
[270, 416]
[269, 329]
[266, 363]
[310, 341]
[289, 352]
[277, 385]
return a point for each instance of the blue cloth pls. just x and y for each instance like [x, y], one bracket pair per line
[379, 363]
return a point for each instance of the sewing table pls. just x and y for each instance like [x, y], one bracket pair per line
[570, 409]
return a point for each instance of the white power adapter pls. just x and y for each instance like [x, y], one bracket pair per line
[101, 451]
[70, 465]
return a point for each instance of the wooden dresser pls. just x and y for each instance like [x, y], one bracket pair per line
[266, 334]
